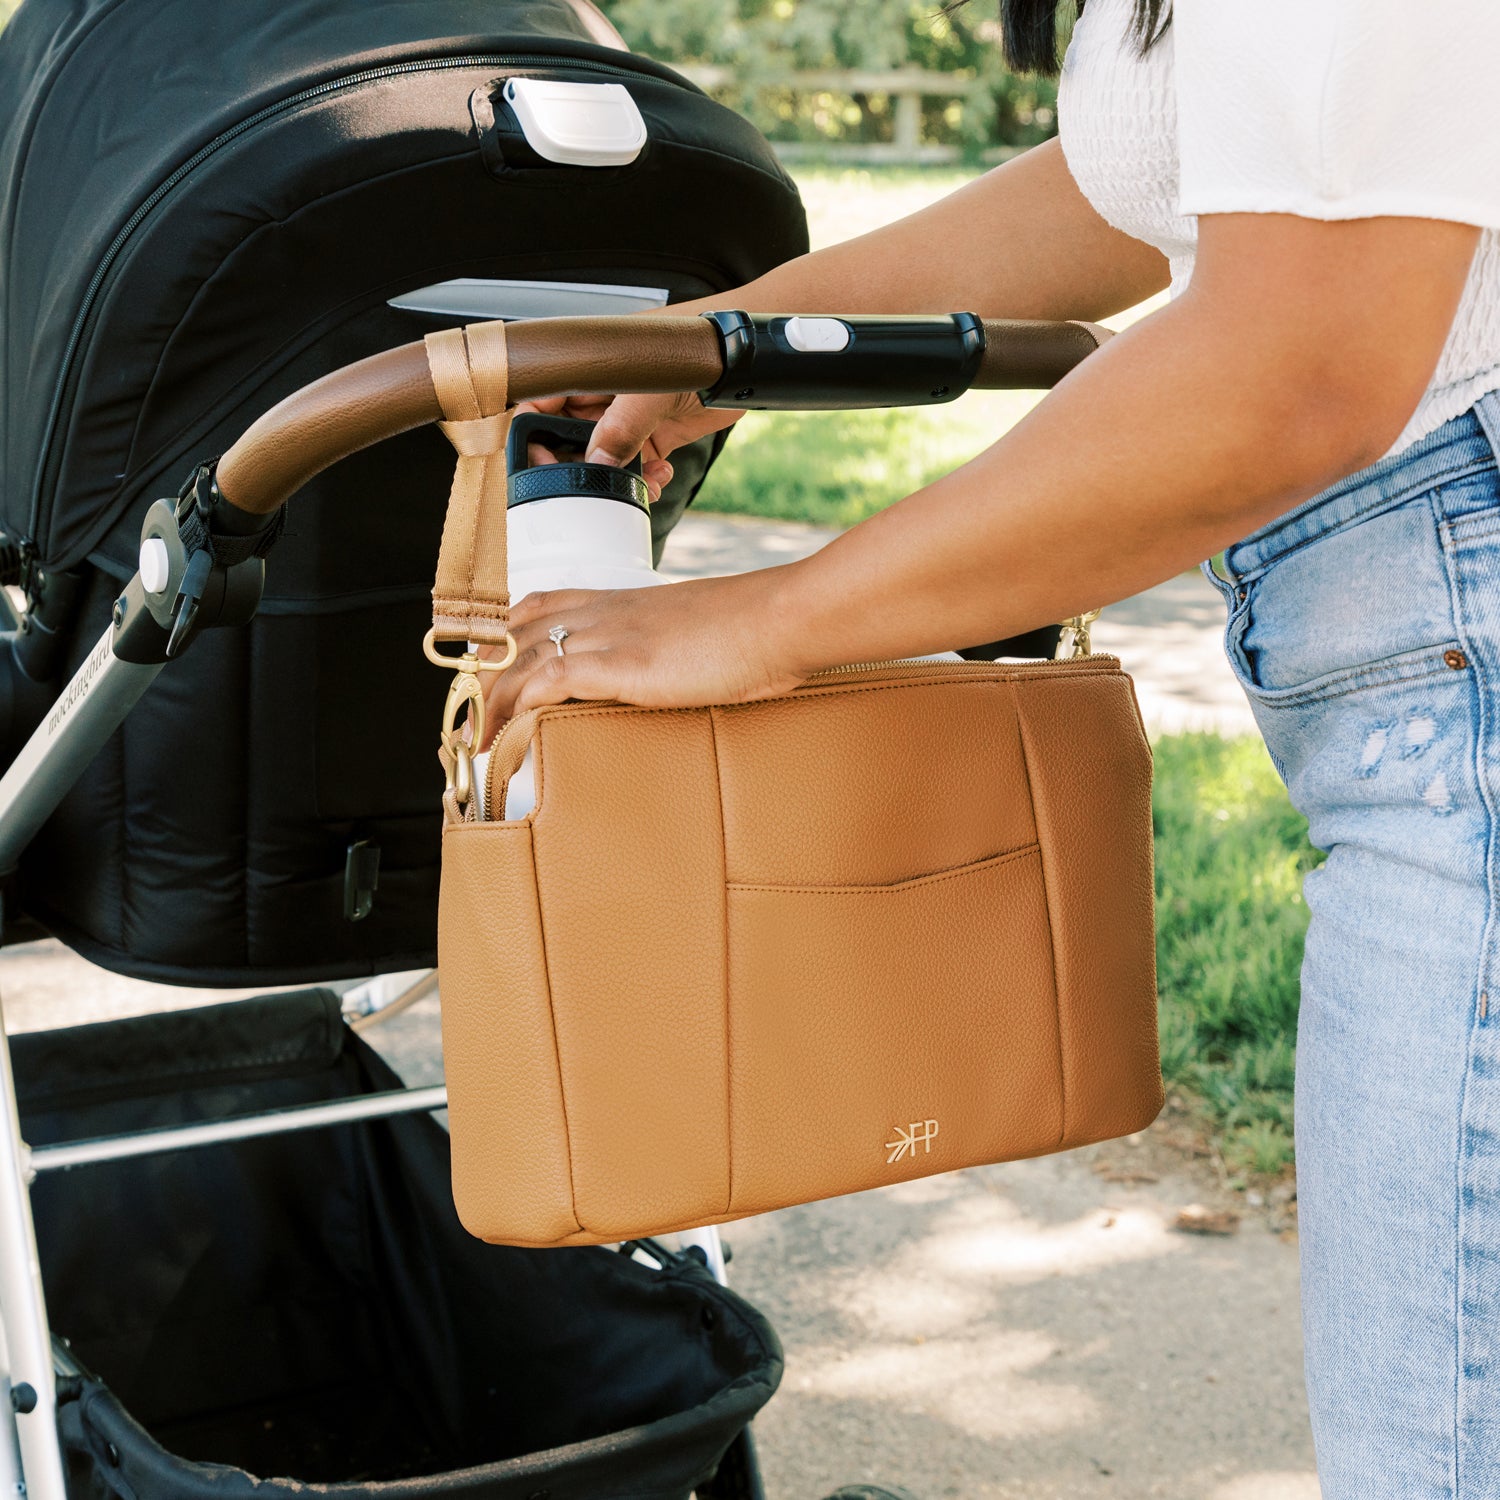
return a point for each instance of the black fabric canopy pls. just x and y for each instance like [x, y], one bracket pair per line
[193, 194]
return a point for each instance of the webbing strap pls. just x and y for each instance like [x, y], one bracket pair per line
[471, 595]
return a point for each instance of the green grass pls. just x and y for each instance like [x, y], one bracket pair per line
[1230, 856]
[836, 468]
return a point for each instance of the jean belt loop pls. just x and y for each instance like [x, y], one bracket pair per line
[1487, 409]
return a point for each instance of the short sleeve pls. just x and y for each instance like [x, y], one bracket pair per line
[1339, 109]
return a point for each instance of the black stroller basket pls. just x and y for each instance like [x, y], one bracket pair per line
[206, 207]
[308, 1304]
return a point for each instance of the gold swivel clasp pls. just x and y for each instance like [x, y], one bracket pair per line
[461, 741]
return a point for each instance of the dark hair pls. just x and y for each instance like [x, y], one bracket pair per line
[1029, 30]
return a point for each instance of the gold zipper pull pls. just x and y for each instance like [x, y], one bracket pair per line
[1076, 639]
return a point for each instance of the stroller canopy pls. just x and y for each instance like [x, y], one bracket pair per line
[182, 214]
[207, 206]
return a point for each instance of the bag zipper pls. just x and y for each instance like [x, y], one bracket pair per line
[224, 138]
[910, 669]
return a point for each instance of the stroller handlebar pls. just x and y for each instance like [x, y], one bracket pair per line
[392, 392]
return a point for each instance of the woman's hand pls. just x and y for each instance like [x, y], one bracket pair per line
[653, 426]
[710, 640]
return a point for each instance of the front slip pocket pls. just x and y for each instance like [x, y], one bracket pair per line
[861, 1052]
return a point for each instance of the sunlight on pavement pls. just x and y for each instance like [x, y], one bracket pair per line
[967, 1243]
[946, 1279]
[1269, 1487]
[983, 1386]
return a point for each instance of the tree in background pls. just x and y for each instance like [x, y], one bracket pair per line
[761, 43]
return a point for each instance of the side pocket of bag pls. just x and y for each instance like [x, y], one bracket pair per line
[1090, 770]
[512, 1173]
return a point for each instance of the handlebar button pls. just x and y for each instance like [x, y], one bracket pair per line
[817, 335]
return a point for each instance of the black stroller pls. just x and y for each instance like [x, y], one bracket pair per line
[241, 1217]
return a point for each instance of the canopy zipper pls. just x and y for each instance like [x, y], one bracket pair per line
[196, 160]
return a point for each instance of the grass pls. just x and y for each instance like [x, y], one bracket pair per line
[836, 468]
[1231, 852]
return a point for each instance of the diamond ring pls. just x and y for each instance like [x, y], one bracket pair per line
[557, 635]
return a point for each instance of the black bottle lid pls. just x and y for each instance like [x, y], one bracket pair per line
[567, 477]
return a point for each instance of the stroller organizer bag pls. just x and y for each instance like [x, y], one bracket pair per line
[309, 1306]
[208, 206]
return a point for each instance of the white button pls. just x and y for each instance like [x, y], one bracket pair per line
[155, 565]
[817, 335]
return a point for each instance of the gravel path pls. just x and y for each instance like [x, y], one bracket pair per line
[1033, 1330]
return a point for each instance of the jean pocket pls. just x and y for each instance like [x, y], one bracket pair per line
[1440, 660]
[1349, 601]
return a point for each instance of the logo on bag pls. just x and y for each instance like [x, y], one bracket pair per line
[908, 1138]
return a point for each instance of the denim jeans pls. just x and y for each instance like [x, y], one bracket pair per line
[1365, 629]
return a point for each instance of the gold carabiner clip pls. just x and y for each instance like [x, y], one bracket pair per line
[466, 692]
[458, 766]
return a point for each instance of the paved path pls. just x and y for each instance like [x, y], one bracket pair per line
[1035, 1330]
[1167, 638]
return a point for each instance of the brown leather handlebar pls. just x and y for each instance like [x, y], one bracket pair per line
[392, 392]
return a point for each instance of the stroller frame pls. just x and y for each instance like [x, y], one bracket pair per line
[887, 362]
[92, 706]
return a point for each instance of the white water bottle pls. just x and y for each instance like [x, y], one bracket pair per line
[569, 525]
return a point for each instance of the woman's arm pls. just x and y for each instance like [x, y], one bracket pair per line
[1019, 242]
[1295, 357]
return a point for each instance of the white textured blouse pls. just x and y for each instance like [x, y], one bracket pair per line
[1329, 109]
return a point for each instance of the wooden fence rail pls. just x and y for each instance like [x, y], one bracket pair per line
[906, 87]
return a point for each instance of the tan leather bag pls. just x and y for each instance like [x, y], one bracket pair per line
[895, 922]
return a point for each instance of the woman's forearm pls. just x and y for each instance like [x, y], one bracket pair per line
[1251, 393]
[1019, 242]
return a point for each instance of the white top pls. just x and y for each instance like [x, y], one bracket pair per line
[1329, 109]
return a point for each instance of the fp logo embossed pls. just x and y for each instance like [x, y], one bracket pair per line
[909, 1137]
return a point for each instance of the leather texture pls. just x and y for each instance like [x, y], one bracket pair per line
[909, 930]
[895, 922]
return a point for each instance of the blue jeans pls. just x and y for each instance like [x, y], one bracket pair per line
[1365, 629]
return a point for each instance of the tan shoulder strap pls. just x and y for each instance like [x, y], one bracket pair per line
[471, 595]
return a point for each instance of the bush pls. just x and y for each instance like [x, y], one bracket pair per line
[761, 43]
[1231, 853]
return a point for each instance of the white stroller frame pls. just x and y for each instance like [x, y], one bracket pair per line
[870, 362]
[30, 1357]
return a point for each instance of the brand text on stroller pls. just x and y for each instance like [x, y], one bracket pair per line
[79, 686]
[908, 1138]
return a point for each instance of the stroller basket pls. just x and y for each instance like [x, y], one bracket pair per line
[308, 1306]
